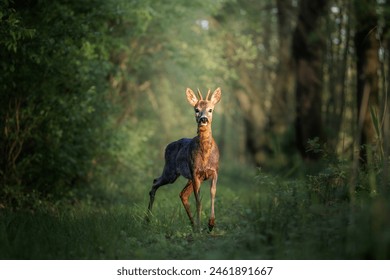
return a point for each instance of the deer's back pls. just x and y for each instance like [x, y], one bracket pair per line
[177, 157]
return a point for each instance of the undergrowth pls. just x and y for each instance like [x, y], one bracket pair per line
[259, 216]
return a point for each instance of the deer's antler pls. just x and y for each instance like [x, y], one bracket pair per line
[200, 95]
[208, 94]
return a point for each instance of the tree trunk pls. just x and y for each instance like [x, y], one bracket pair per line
[308, 51]
[282, 103]
[337, 61]
[367, 46]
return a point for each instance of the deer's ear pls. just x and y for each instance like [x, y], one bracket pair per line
[191, 97]
[216, 97]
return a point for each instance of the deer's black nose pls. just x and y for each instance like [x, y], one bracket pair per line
[203, 120]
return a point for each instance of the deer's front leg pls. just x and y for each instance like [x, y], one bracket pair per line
[213, 191]
[196, 186]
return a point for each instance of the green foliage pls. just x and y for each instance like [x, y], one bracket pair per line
[56, 105]
[11, 29]
[313, 218]
[329, 186]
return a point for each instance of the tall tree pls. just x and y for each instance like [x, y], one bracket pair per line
[308, 49]
[368, 65]
[282, 101]
[278, 117]
[337, 64]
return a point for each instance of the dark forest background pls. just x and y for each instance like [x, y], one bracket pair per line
[92, 91]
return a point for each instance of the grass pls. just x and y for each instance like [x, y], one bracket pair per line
[259, 216]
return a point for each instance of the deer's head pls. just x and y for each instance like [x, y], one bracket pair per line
[203, 107]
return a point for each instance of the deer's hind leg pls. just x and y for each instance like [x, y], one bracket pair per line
[168, 177]
[184, 195]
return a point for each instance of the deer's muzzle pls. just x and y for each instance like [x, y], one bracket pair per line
[203, 121]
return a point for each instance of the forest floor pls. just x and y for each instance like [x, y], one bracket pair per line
[258, 216]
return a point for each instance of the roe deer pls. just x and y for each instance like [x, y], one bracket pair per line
[195, 159]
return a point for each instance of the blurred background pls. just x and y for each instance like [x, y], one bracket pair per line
[92, 91]
[95, 89]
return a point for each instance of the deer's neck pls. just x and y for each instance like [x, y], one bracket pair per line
[205, 141]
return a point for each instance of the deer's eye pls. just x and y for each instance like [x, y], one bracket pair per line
[196, 110]
[211, 110]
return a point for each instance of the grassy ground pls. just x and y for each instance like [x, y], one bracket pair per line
[258, 216]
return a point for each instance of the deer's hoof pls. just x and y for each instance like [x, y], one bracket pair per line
[211, 224]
